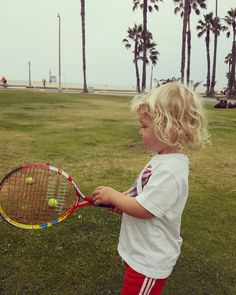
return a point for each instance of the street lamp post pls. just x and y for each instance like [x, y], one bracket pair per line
[29, 74]
[59, 72]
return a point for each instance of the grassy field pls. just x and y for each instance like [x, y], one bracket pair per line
[95, 139]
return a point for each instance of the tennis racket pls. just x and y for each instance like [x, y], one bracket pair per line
[38, 196]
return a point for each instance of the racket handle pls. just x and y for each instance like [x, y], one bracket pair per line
[90, 200]
[103, 205]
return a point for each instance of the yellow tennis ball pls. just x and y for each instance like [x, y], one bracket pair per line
[52, 202]
[29, 180]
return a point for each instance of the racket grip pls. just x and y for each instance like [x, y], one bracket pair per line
[103, 205]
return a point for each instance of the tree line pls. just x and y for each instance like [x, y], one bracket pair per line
[144, 50]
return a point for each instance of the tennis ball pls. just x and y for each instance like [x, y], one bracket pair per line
[29, 180]
[52, 202]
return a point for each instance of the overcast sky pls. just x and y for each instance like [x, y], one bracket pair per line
[29, 32]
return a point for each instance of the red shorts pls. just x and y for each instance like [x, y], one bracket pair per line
[137, 284]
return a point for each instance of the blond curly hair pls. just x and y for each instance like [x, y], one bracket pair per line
[177, 114]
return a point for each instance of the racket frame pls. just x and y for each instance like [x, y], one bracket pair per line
[88, 201]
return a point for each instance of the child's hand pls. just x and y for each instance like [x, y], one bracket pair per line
[120, 201]
[104, 195]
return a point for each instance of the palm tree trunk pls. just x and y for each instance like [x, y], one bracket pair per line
[85, 89]
[136, 66]
[184, 30]
[208, 62]
[232, 89]
[145, 4]
[213, 78]
[137, 77]
[189, 51]
[229, 73]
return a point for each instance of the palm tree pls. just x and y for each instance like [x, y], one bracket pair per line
[136, 35]
[157, 82]
[152, 53]
[196, 6]
[217, 28]
[195, 85]
[85, 89]
[168, 80]
[204, 27]
[228, 60]
[185, 8]
[230, 20]
[216, 34]
[146, 7]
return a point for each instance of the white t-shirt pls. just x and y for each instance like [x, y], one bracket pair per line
[152, 246]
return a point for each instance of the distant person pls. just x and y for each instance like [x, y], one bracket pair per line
[172, 123]
[222, 104]
[4, 81]
[44, 81]
[231, 105]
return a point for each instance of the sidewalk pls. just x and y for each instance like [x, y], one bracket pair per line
[71, 90]
[117, 92]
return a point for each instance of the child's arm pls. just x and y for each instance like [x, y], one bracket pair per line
[122, 201]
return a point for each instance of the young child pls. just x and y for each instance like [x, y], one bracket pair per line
[172, 122]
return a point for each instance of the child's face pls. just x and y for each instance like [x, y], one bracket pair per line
[152, 142]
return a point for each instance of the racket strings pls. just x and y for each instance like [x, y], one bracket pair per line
[25, 196]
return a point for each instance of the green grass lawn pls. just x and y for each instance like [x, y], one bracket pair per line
[94, 138]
